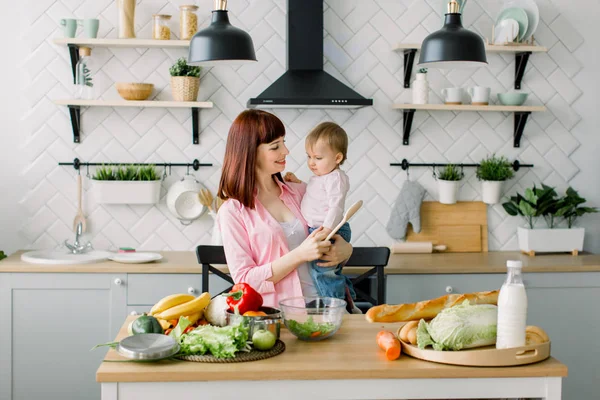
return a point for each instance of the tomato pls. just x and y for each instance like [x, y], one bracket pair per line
[255, 314]
[168, 331]
[189, 329]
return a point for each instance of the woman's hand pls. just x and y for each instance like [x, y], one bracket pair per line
[339, 252]
[314, 246]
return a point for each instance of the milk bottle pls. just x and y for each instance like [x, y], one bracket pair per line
[512, 308]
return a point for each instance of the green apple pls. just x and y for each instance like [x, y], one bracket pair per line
[263, 340]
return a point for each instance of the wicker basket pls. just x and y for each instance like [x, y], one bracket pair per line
[185, 88]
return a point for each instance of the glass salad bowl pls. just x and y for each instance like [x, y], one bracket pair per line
[312, 318]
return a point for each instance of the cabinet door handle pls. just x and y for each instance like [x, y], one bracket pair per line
[191, 290]
[118, 282]
[133, 313]
[449, 289]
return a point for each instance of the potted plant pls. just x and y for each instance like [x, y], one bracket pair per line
[448, 183]
[420, 92]
[185, 81]
[2, 255]
[543, 202]
[492, 171]
[127, 185]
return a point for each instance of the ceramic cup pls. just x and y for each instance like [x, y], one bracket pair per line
[480, 96]
[90, 27]
[452, 95]
[70, 26]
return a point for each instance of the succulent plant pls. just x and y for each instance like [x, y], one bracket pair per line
[181, 68]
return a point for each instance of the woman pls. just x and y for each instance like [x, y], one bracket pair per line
[265, 237]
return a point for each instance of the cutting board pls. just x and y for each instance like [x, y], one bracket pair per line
[462, 227]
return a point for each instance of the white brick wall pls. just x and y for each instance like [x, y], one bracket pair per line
[358, 40]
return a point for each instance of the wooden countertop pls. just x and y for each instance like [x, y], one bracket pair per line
[185, 262]
[351, 353]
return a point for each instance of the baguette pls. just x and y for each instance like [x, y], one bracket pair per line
[403, 332]
[427, 309]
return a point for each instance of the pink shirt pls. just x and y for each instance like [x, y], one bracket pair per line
[252, 239]
[323, 203]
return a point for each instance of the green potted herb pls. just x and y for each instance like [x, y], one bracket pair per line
[185, 81]
[127, 184]
[492, 171]
[544, 202]
[449, 179]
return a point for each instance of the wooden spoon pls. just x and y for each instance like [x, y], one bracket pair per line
[79, 217]
[349, 213]
[206, 198]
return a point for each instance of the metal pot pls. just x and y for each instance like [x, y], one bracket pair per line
[271, 322]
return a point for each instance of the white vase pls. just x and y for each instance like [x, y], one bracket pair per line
[448, 191]
[420, 90]
[550, 240]
[491, 191]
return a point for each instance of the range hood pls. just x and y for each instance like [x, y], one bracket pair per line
[305, 84]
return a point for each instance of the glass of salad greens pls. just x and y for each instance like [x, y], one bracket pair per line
[312, 318]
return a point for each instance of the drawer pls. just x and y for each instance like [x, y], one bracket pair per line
[150, 288]
[147, 289]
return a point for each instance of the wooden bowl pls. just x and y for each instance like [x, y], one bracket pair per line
[134, 91]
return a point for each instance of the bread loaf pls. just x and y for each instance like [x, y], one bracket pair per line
[535, 335]
[427, 309]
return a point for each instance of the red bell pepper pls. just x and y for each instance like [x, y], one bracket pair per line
[243, 297]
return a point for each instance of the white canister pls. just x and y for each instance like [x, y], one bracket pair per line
[420, 90]
[491, 191]
[448, 191]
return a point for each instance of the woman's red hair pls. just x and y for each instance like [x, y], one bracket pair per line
[249, 130]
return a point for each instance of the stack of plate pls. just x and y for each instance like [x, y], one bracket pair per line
[517, 21]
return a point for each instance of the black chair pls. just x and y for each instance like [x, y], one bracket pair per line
[375, 257]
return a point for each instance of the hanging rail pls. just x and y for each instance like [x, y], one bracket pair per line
[194, 164]
[405, 165]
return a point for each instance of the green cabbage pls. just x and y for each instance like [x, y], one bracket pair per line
[460, 327]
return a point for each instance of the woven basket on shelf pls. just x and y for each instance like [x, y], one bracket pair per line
[185, 88]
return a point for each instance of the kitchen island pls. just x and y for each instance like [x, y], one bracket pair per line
[348, 365]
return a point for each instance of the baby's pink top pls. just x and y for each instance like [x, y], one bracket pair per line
[253, 239]
[323, 202]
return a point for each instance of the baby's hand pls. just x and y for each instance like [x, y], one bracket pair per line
[290, 177]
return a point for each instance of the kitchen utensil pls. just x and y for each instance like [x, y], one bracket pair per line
[416, 247]
[79, 217]
[479, 95]
[349, 213]
[206, 198]
[507, 31]
[462, 227]
[532, 11]
[452, 95]
[483, 356]
[148, 346]
[135, 257]
[512, 99]
[271, 322]
[183, 201]
[312, 318]
[519, 15]
[134, 91]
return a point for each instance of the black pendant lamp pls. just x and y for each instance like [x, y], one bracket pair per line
[452, 46]
[221, 43]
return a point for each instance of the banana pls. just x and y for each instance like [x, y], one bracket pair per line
[164, 324]
[195, 317]
[170, 301]
[191, 307]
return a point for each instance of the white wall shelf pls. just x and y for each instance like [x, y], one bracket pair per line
[520, 115]
[135, 43]
[521, 52]
[75, 105]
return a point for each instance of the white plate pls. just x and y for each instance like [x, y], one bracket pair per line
[135, 257]
[506, 31]
[532, 11]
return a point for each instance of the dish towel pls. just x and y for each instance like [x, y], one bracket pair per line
[406, 208]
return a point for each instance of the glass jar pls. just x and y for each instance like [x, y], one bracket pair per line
[188, 22]
[160, 27]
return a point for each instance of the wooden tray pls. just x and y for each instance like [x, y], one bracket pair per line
[483, 356]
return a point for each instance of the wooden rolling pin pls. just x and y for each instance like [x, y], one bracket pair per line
[416, 247]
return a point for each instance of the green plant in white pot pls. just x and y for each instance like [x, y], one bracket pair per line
[185, 81]
[492, 172]
[449, 179]
[129, 184]
[544, 202]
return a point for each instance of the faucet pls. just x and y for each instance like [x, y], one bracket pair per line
[76, 247]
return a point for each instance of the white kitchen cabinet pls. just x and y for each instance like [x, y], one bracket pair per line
[49, 324]
[563, 304]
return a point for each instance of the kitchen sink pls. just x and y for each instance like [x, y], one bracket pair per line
[58, 257]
